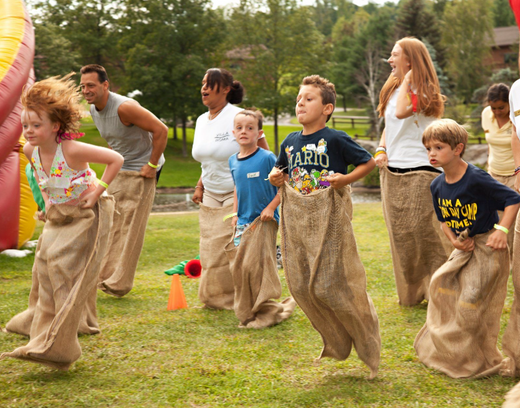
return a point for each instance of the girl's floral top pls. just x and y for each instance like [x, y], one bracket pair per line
[63, 184]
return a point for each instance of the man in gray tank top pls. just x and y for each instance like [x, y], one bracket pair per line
[140, 137]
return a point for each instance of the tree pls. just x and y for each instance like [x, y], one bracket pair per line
[170, 45]
[415, 20]
[283, 46]
[54, 54]
[89, 25]
[467, 43]
[503, 15]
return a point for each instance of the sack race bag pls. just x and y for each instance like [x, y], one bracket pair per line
[21, 323]
[70, 251]
[512, 397]
[255, 276]
[511, 338]
[216, 289]
[467, 295]
[325, 274]
[418, 245]
[134, 199]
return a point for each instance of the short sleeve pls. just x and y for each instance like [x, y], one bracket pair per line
[435, 204]
[281, 162]
[499, 194]
[352, 152]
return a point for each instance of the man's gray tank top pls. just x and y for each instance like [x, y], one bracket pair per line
[132, 142]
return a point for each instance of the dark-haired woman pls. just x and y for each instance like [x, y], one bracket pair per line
[497, 129]
[213, 144]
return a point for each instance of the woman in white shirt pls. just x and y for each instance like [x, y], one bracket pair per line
[409, 101]
[213, 144]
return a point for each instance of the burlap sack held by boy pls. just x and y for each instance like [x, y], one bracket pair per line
[66, 281]
[134, 196]
[418, 245]
[216, 289]
[467, 295]
[255, 276]
[325, 274]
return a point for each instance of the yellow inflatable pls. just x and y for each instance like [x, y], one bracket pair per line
[28, 207]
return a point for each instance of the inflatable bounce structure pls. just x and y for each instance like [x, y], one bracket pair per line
[17, 207]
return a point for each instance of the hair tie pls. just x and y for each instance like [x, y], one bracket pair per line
[70, 136]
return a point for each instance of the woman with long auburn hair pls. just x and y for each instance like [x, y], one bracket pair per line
[409, 101]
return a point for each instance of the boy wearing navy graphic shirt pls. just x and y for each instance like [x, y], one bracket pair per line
[464, 196]
[254, 195]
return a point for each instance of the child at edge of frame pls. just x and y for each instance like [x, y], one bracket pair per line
[468, 291]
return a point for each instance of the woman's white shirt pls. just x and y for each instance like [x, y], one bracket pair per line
[213, 144]
[403, 137]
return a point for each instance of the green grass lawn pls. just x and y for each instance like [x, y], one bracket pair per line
[147, 356]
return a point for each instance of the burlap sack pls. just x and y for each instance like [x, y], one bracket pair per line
[508, 181]
[325, 274]
[72, 245]
[466, 299]
[21, 323]
[216, 289]
[512, 397]
[419, 247]
[511, 338]
[134, 199]
[255, 276]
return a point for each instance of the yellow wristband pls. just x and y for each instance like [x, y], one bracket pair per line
[501, 228]
[102, 183]
[153, 166]
[229, 216]
[378, 153]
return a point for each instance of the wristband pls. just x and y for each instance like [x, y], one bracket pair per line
[199, 187]
[102, 183]
[501, 228]
[153, 166]
[517, 170]
[229, 216]
[379, 152]
[381, 149]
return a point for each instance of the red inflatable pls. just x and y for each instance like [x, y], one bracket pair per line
[16, 59]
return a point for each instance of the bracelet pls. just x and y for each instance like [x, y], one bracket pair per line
[379, 152]
[229, 216]
[381, 149]
[501, 228]
[199, 187]
[153, 166]
[102, 183]
[517, 170]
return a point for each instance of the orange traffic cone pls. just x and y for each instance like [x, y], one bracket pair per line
[177, 300]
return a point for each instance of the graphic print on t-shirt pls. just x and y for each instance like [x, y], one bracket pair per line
[300, 179]
[457, 215]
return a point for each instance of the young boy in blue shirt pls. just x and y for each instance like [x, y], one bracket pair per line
[467, 293]
[254, 197]
[252, 254]
[321, 262]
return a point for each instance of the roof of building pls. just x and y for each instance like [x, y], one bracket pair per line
[505, 36]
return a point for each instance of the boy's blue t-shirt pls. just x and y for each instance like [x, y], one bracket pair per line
[472, 202]
[309, 159]
[254, 192]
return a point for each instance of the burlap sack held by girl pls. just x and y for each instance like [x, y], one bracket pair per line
[467, 295]
[66, 280]
[325, 274]
[418, 245]
[216, 289]
[134, 196]
[255, 276]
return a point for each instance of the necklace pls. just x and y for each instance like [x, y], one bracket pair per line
[213, 116]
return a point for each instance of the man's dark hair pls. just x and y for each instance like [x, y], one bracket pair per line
[98, 69]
